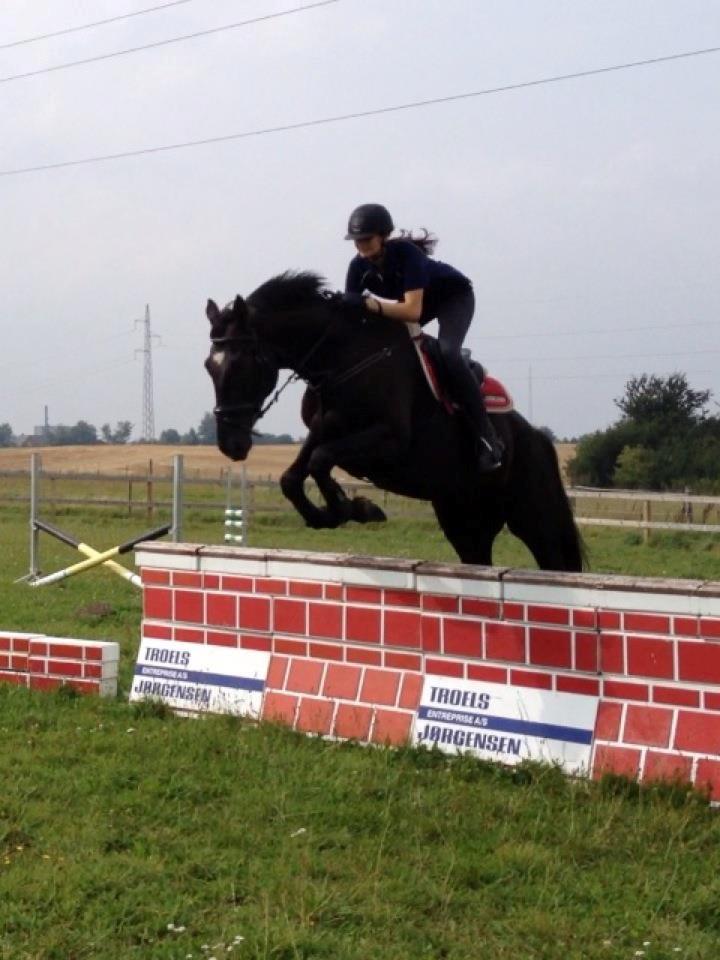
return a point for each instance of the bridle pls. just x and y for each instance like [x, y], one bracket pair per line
[228, 413]
[232, 413]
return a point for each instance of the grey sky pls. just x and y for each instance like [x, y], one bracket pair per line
[586, 212]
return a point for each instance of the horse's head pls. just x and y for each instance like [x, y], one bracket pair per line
[243, 374]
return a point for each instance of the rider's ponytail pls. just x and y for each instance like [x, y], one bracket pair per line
[425, 241]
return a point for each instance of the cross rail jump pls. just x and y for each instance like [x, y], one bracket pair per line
[94, 557]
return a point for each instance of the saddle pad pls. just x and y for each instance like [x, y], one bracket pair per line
[496, 397]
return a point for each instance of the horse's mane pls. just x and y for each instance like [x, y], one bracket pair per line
[288, 291]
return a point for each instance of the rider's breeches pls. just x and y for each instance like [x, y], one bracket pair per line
[453, 323]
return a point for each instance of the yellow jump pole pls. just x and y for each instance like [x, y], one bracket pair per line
[88, 551]
[100, 558]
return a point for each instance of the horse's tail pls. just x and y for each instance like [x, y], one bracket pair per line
[572, 544]
[543, 516]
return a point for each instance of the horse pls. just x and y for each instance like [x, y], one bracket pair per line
[369, 411]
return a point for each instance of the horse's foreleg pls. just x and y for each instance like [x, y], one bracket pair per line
[292, 484]
[375, 443]
[340, 508]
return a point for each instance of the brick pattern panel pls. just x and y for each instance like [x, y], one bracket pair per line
[350, 650]
[351, 702]
[47, 663]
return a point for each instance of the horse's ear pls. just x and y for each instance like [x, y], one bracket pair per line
[239, 308]
[212, 311]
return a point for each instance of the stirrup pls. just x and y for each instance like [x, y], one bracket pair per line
[489, 456]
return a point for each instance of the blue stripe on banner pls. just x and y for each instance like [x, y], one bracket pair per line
[199, 677]
[548, 731]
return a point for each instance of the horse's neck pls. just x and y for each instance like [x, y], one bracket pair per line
[295, 335]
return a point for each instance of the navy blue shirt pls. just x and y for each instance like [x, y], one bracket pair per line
[405, 267]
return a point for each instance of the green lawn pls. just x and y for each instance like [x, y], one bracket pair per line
[126, 832]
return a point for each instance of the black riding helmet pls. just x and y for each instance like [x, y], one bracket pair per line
[368, 220]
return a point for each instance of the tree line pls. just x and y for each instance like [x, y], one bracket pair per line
[666, 439]
[83, 433]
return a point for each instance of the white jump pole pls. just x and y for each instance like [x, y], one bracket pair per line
[100, 558]
[35, 471]
[88, 551]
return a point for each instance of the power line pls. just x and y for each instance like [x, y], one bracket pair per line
[590, 333]
[600, 376]
[303, 124]
[607, 356]
[88, 26]
[164, 43]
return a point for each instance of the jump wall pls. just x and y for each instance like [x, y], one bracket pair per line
[351, 640]
[46, 663]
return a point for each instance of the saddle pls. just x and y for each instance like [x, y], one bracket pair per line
[494, 394]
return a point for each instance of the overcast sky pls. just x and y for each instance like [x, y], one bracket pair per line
[585, 211]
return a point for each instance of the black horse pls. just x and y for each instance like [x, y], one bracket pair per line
[370, 411]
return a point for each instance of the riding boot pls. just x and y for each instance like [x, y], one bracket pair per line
[489, 446]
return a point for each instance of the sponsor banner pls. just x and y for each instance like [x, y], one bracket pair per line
[493, 721]
[199, 678]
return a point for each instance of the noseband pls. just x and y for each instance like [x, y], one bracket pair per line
[233, 413]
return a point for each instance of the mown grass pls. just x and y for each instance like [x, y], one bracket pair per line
[126, 832]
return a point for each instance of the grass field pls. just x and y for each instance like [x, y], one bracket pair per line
[128, 833]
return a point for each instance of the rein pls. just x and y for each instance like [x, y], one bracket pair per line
[353, 371]
[226, 411]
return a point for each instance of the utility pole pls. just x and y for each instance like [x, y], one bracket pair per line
[530, 396]
[148, 417]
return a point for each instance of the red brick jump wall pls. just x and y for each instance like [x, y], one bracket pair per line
[46, 663]
[352, 638]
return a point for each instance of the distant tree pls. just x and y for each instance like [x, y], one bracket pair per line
[651, 400]
[123, 429]
[82, 433]
[268, 438]
[121, 434]
[170, 435]
[207, 431]
[637, 469]
[191, 437]
[596, 454]
[7, 438]
[664, 440]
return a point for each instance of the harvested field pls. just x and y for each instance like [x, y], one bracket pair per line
[200, 461]
[265, 460]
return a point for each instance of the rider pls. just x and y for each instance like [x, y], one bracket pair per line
[401, 270]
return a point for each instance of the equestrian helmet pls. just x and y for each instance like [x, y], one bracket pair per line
[368, 220]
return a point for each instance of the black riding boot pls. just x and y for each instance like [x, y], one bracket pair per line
[489, 447]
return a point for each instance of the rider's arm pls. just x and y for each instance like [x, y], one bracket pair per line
[408, 310]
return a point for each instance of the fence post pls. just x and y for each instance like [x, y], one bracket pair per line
[35, 470]
[647, 516]
[150, 504]
[177, 498]
[688, 507]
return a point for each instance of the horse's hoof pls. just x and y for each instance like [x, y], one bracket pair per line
[324, 520]
[365, 511]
